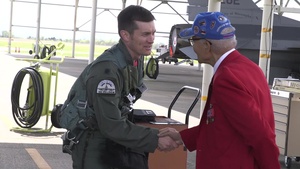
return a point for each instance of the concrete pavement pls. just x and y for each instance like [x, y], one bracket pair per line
[16, 143]
[19, 149]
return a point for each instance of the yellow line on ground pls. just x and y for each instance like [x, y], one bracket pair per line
[37, 158]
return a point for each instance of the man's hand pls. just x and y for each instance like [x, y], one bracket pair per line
[166, 143]
[171, 132]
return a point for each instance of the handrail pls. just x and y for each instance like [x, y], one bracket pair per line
[192, 105]
[42, 60]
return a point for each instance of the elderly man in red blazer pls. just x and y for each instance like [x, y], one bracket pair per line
[237, 129]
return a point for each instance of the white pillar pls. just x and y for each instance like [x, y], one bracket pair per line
[213, 5]
[266, 37]
[38, 27]
[75, 28]
[10, 26]
[93, 30]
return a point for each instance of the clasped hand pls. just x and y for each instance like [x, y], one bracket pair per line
[169, 139]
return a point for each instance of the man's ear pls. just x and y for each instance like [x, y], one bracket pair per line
[207, 45]
[125, 35]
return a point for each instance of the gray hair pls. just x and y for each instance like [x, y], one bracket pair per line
[223, 45]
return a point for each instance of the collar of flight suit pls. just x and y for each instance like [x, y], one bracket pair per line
[125, 51]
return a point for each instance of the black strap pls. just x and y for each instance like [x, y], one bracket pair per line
[74, 135]
[85, 147]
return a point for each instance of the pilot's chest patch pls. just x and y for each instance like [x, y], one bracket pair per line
[106, 87]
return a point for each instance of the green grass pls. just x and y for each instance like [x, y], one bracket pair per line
[24, 45]
[81, 50]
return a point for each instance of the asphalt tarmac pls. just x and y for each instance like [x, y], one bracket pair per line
[33, 149]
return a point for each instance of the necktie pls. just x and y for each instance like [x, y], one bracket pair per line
[135, 63]
[208, 114]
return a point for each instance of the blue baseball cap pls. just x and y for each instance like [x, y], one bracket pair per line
[210, 25]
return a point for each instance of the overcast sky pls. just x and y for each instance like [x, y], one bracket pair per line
[62, 17]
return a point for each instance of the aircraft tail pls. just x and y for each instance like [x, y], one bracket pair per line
[242, 10]
[228, 3]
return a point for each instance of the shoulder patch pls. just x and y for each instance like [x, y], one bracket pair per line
[106, 87]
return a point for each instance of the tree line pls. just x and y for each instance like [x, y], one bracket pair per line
[5, 34]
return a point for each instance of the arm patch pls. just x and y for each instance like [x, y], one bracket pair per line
[106, 87]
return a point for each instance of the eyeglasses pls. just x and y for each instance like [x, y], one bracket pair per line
[192, 41]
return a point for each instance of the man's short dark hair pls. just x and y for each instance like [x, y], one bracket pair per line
[132, 13]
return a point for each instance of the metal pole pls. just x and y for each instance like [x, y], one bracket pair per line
[38, 28]
[75, 28]
[266, 37]
[10, 26]
[93, 30]
[123, 4]
[213, 5]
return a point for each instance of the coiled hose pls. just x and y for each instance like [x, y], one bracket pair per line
[28, 115]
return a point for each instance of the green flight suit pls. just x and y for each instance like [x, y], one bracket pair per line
[111, 78]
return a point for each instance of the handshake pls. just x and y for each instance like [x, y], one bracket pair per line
[169, 139]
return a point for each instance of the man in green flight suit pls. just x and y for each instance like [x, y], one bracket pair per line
[112, 84]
